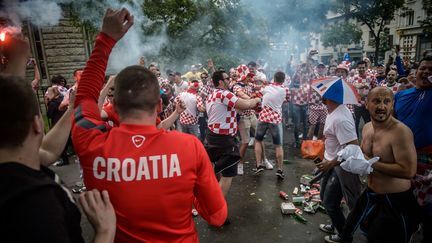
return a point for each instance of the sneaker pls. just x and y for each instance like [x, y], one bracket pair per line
[260, 169]
[251, 142]
[268, 165]
[334, 239]
[328, 228]
[240, 169]
[280, 174]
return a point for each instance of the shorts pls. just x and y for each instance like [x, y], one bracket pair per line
[276, 132]
[223, 152]
[244, 126]
[317, 116]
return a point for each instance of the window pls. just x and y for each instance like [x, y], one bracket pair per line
[371, 39]
[410, 18]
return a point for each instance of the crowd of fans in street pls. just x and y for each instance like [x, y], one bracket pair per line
[122, 128]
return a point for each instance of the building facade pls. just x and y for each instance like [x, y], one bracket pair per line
[405, 31]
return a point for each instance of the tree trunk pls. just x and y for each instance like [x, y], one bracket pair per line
[377, 50]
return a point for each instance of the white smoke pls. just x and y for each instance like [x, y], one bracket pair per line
[127, 52]
[39, 12]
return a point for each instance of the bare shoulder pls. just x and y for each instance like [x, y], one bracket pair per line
[367, 129]
[401, 131]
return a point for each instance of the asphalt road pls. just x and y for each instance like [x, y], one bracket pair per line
[253, 202]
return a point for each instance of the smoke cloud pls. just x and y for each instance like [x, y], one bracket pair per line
[39, 12]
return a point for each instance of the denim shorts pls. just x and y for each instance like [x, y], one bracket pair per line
[276, 132]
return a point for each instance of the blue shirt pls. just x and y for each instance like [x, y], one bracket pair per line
[413, 107]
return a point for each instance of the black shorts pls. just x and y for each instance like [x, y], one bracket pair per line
[223, 152]
[392, 217]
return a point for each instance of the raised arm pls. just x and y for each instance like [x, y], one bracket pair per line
[87, 122]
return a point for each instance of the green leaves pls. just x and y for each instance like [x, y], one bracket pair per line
[341, 34]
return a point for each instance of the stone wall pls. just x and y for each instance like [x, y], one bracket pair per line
[64, 49]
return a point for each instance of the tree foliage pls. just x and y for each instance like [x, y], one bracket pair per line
[427, 22]
[372, 13]
[341, 34]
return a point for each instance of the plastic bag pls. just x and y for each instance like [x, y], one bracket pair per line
[311, 149]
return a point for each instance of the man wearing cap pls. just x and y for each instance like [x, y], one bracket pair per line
[321, 70]
[194, 104]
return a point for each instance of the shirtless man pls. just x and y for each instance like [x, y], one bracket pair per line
[387, 210]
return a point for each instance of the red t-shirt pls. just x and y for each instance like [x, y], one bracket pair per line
[151, 178]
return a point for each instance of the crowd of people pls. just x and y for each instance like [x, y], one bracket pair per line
[123, 126]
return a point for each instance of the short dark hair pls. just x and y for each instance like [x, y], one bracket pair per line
[136, 89]
[426, 58]
[18, 106]
[361, 62]
[58, 79]
[216, 77]
[76, 70]
[252, 64]
[279, 77]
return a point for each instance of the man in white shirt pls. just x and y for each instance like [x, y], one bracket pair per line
[339, 130]
[270, 118]
[194, 104]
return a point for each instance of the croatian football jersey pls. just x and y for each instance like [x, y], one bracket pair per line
[192, 101]
[274, 95]
[248, 90]
[393, 87]
[300, 95]
[222, 116]
[147, 171]
[363, 86]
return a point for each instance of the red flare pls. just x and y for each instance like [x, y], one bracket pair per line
[2, 36]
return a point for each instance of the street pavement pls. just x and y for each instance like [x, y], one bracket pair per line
[253, 203]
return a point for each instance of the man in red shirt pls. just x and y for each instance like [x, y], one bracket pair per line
[152, 180]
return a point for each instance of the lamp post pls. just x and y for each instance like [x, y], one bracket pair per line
[362, 45]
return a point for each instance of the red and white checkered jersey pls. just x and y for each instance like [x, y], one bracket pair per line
[300, 96]
[162, 81]
[363, 86]
[394, 87]
[371, 72]
[192, 101]
[206, 90]
[246, 89]
[222, 116]
[315, 100]
[274, 95]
